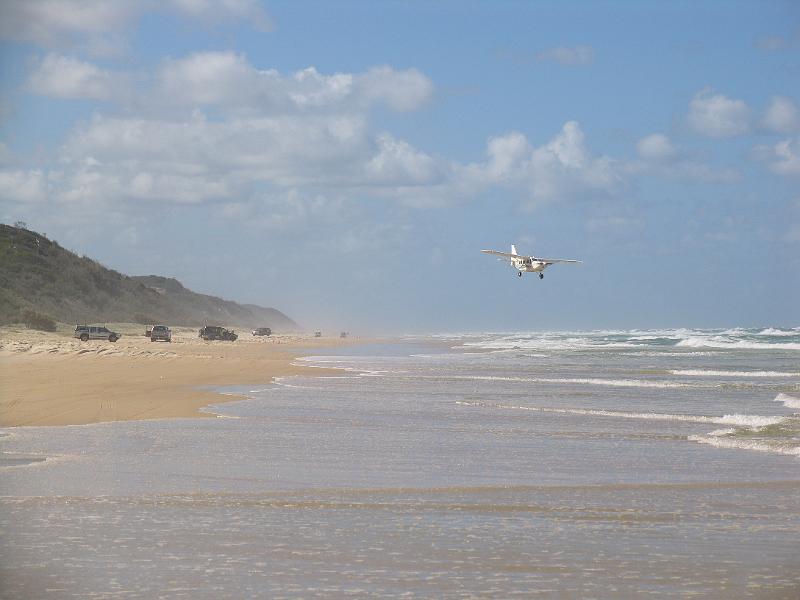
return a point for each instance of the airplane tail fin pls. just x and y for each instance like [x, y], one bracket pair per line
[513, 249]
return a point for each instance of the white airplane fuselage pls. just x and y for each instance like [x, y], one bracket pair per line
[526, 264]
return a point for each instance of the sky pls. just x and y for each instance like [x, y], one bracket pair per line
[345, 162]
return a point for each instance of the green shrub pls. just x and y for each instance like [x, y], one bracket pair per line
[34, 320]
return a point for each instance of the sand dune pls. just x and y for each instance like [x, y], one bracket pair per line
[54, 379]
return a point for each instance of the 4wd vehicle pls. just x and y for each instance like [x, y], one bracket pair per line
[262, 331]
[212, 332]
[92, 332]
[160, 332]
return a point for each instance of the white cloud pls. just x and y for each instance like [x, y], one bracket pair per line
[575, 56]
[398, 163]
[782, 115]
[560, 170]
[286, 150]
[64, 77]
[23, 186]
[400, 90]
[784, 157]
[656, 147]
[49, 22]
[228, 80]
[97, 24]
[659, 156]
[507, 155]
[305, 129]
[717, 116]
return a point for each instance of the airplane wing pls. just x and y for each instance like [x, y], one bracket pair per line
[552, 261]
[506, 255]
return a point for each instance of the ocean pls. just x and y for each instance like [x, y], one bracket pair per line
[604, 464]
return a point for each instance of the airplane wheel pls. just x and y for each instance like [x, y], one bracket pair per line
[541, 275]
[519, 273]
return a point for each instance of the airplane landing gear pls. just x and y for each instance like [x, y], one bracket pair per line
[541, 275]
[519, 273]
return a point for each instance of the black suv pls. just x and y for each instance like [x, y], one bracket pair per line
[213, 332]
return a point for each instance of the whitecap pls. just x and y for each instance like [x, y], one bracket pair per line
[719, 342]
[779, 332]
[715, 373]
[788, 401]
[745, 444]
[747, 421]
[633, 383]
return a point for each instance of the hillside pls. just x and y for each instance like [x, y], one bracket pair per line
[38, 274]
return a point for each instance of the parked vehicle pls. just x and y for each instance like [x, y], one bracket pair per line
[213, 332]
[262, 331]
[94, 332]
[317, 334]
[161, 332]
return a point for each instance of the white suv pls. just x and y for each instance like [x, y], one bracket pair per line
[86, 332]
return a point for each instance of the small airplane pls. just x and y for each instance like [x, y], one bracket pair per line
[527, 264]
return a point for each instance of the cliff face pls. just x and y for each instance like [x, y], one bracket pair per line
[38, 274]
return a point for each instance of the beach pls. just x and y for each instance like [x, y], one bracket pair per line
[564, 464]
[56, 379]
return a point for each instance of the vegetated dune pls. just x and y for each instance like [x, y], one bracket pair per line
[36, 274]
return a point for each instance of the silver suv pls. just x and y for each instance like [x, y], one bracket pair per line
[92, 332]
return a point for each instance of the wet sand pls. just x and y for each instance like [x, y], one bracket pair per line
[54, 379]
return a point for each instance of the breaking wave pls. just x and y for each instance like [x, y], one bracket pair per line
[633, 383]
[715, 373]
[780, 332]
[751, 421]
[743, 432]
[788, 401]
[734, 344]
[771, 446]
[738, 338]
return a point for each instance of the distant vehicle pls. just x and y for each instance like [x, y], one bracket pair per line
[213, 332]
[317, 334]
[343, 334]
[160, 332]
[93, 332]
[262, 331]
[528, 264]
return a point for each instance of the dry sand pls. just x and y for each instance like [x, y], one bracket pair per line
[54, 379]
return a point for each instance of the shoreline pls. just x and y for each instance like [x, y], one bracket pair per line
[52, 379]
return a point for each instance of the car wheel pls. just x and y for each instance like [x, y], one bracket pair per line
[84, 337]
[152, 339]
[112, 338]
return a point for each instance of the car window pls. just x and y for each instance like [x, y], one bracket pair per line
[92, 329]
[103, 330]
